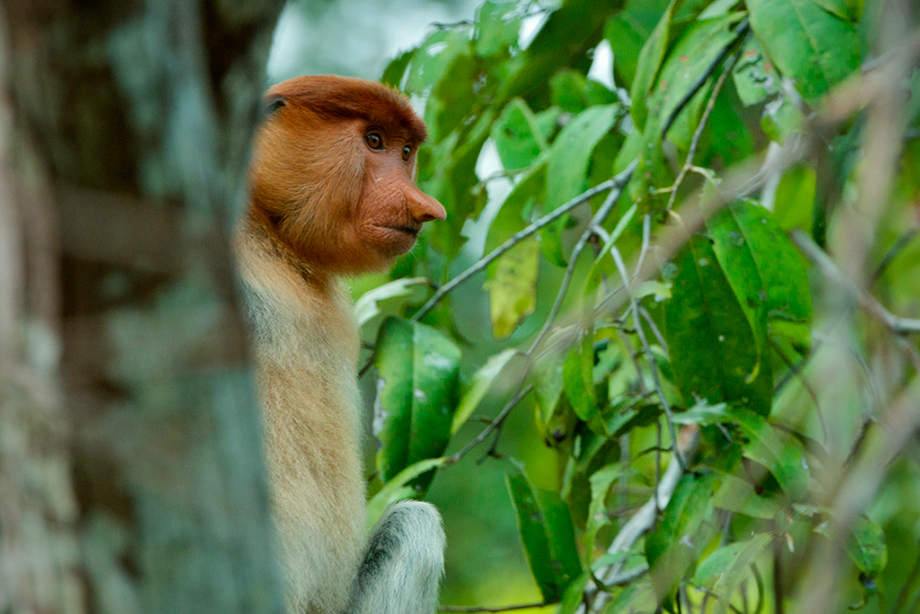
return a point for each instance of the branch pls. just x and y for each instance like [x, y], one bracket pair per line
[817, 256]
[494, 424]
[616, 183]
[593, 227]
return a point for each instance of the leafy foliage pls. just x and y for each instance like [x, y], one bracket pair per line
[623, 258]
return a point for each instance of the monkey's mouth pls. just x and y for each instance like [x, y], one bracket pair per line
[412, 231]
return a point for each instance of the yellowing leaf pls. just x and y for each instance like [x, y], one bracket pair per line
[512, 294]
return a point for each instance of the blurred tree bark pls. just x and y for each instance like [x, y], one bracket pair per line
[130, 467]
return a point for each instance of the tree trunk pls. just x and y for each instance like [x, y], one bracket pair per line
[130, 465]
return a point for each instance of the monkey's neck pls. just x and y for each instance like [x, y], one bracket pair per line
[286, 288]
[263, 232]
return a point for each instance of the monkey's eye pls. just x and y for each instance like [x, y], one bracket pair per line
[373, 140]
[407, 151]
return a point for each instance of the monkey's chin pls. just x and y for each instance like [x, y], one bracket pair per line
[396, 241]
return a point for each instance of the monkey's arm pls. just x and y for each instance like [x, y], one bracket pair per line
[403, 563]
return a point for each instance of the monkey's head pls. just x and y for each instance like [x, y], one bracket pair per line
[333, 172]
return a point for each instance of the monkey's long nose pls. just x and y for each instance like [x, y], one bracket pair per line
[422, 207]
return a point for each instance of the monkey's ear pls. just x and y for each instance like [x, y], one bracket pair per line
[271, 105]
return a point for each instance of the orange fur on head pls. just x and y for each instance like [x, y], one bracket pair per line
[337, 203]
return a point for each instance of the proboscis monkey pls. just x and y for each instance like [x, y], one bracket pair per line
[332, 193]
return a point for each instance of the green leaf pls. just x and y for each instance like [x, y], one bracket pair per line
[710, 340]
[681, 535]
[417, 391]
[776, 450]
[396, 69]
[386, 300]
[648, 64]
[578, 380]
[453, 98]
[572, 92]
[570, 156]
[716, 321]
[767, 276]
[482, 382]
[793, 204]
[497, 27]
[547, 534]
[736, 258]
[729, 565]
[693, 53]
[554, 419]
[815, 47]
[867, 548]
[431, 62]
[754, 76]
[778, 263]
[567, 169]
[564, 40]
[738, 496]
[723, 559]
[704, 414]
[849, 10]
[453, 183]
[517, 136]
[627, 32]
[601, 482]
[794, 201]
[574, 595]
[397, 490]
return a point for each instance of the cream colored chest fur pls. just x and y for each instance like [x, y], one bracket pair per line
[306, 345]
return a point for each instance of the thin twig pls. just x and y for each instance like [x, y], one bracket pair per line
[654, 328]
[595, 222]
[820, 259]
[697, 135]
[494, 424]
[646, 239]
[653, 363]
